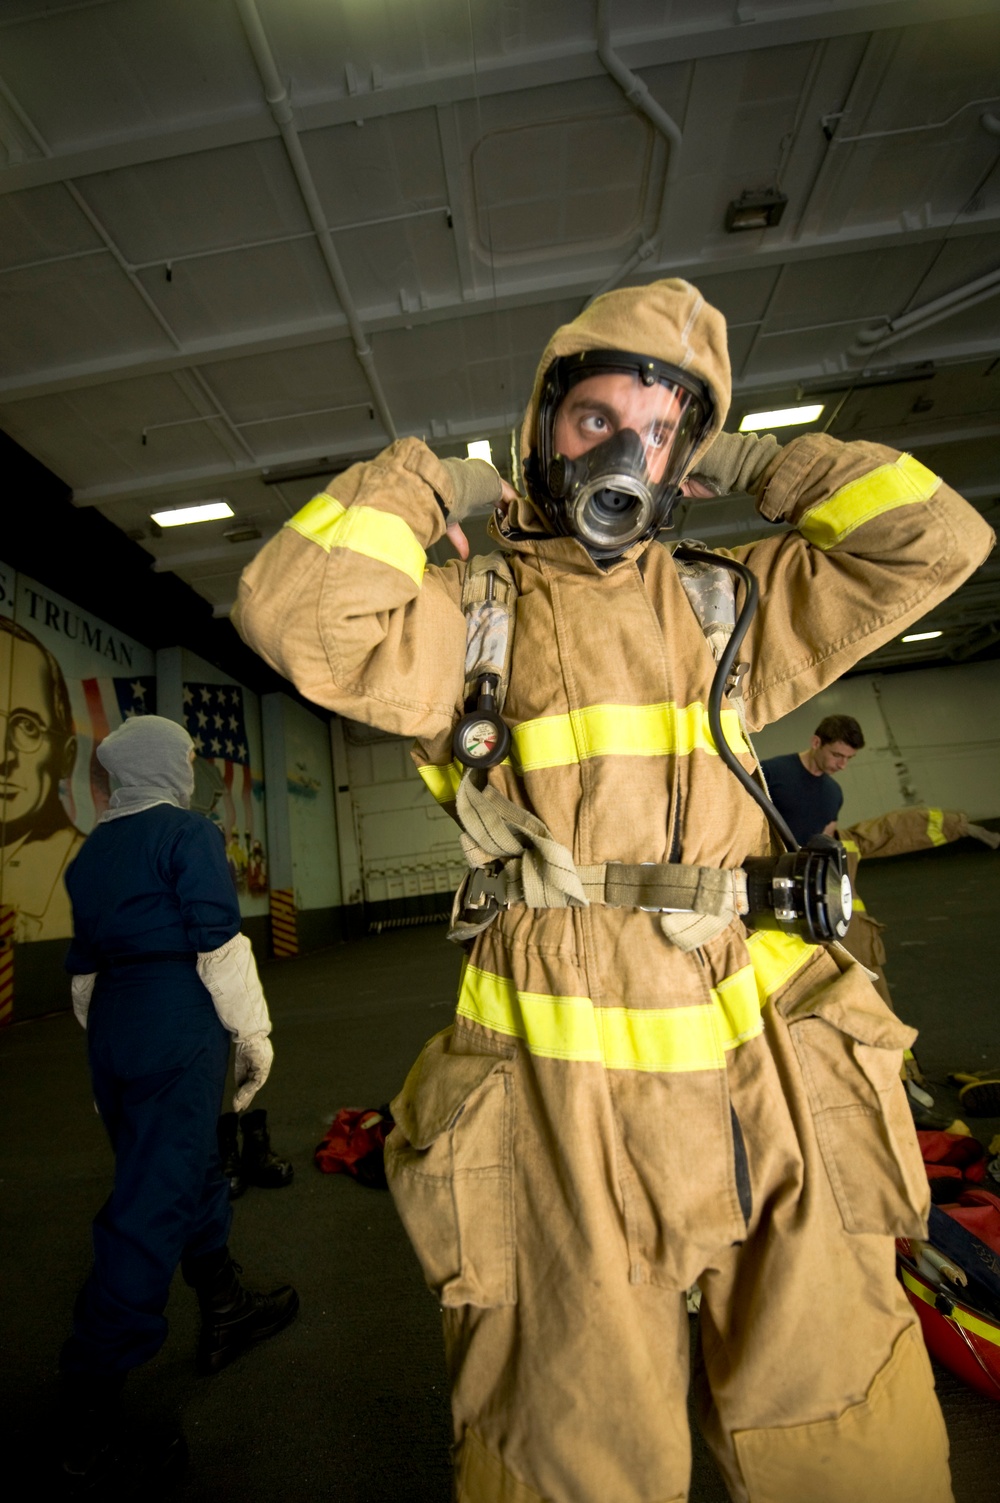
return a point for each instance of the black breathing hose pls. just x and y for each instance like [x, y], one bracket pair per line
[723, 669]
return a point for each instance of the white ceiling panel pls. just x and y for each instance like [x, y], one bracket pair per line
[43, 223]
[91, 73]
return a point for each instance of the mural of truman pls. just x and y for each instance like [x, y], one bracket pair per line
[37, 837]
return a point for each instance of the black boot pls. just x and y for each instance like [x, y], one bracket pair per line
[261, 1166]
[89, 1432]
[229, 1155]
[233, 1318]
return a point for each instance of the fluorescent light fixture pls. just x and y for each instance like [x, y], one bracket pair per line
[480, 450]
[781, 417]
[202, 511]
[921, 636]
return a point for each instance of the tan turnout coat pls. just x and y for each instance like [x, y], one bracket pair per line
[609, 1118]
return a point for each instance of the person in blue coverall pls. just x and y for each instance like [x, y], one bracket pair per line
[161, 977]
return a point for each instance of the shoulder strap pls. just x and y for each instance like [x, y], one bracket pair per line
[488, 595]
[711, 592]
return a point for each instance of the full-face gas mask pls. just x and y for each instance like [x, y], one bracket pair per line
[616, 433]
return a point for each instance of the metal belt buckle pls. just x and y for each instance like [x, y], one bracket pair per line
[485, 894]
[658, 909]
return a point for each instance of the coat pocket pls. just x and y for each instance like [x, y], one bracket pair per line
[450, 1165]
[849, 1046]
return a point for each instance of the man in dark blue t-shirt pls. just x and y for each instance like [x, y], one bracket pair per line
[801, 784]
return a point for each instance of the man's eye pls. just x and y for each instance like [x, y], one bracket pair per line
[594, 422]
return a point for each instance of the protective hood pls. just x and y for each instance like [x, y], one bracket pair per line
[150, 759]
[669, 321]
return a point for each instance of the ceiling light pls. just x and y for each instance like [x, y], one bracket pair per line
[755, 211]
[480, 449]
[202, 511]
[921, 636]
[781, 417]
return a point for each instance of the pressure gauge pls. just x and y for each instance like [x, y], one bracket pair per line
[482, 739]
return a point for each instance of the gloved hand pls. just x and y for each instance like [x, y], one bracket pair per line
[735, 461]
[81, 990]
[230, 974]
[477, 488]
[251, 1068]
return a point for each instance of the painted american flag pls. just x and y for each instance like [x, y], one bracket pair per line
[214, 718]
[99, 706]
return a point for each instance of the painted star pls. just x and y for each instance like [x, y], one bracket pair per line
[188, 694]
[216, 746]
[206, 694]
[202, 719]
[138, 690]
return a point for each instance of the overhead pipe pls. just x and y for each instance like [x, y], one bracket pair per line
[635, 90]
[639, 97]
[284, 117]
[949, 303]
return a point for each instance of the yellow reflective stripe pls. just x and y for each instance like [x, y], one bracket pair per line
[555, 1027]
[935, 827]
[858, 905]
[668, 1039]
[380, 535]
[442, 782]
[620, 731]
[851, 846]
[776, 957]
[861, 500]
[961, 1317]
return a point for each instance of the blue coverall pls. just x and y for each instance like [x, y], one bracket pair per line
[152, 884]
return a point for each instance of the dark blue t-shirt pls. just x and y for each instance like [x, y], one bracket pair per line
[807, 802]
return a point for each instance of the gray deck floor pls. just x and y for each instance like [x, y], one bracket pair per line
[350, 1403]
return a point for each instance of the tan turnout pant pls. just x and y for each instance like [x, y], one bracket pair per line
[570, 1368]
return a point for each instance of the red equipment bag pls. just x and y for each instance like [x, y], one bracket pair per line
[960, 1322]
[354, 1144]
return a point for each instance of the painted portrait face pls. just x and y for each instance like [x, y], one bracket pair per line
[36, 752]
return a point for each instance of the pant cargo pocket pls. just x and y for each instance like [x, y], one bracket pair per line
[450, 1165]
[849, 1046]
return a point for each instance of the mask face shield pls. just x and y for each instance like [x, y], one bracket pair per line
[616, 435]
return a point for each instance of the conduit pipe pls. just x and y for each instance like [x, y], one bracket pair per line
[933, 312]
[635, 90]
[284, 117]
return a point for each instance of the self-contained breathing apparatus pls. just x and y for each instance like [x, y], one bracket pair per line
[612, 494]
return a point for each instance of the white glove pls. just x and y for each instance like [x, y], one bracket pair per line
[988, 837]
[252, 1066]
[230, 974]
[81, 990]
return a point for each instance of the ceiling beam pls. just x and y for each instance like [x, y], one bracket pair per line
[554, 284]
[540, 68]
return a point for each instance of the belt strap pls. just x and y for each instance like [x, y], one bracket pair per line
[667, 887]
[152, 957]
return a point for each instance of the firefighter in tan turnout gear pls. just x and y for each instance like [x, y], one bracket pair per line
[639, 1091]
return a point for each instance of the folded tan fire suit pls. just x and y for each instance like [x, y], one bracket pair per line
[895, 834]
[611, 1118]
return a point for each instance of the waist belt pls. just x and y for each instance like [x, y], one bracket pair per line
[655, 887]
[151, 957]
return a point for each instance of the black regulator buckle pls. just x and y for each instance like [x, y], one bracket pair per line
[805, 892]
[483, 895]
